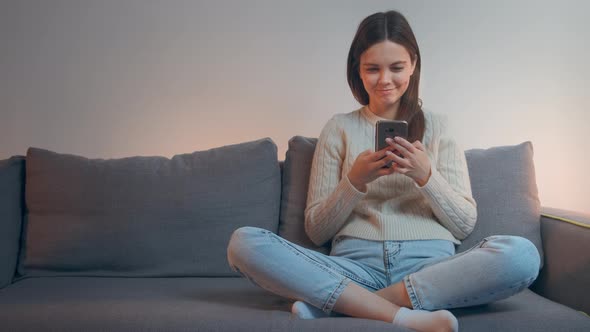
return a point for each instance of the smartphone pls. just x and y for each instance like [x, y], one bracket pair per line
[389, 129]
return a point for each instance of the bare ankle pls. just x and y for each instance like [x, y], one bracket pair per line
[396, 294]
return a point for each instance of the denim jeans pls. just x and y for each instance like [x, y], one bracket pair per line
[434, 276]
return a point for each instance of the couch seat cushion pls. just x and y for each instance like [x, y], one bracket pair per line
[156, 304]
[226, 304]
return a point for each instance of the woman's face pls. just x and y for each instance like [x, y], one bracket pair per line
[385, 70]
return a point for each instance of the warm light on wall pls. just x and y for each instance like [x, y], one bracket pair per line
[161, 80]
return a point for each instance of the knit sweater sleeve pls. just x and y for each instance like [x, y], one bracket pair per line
[448, 190]
[331, 197]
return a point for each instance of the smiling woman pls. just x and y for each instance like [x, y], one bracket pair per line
[392, 229]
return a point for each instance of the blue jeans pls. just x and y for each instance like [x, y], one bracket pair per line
[434, 277]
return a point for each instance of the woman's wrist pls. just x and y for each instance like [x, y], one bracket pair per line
[359, 186]
[423, 182]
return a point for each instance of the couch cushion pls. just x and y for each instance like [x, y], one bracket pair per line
[226, 304]
[296, 171]
[157, 304]
[525, 311]
[146, 216]
[12, 191]
[505, 189]
[502, 181]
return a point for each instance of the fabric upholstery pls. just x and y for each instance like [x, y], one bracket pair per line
[146, 216]
[156, 304]
[505, 189]
[12, 190]
[566, 275]
[525, 311]
[296, 171]
[226, 304]
[573, 217]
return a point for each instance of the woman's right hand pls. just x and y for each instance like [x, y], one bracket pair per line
[369, 166]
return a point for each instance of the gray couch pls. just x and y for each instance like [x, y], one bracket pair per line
[139, 244]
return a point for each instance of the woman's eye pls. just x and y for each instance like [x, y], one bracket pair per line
[398, 68]
[372, 70]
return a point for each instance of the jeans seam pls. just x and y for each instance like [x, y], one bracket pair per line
[386, 261]
[416, 303]
[329, 305]
[390, 256]
[519, 287]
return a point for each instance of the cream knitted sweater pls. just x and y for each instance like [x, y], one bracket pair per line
[394, 207]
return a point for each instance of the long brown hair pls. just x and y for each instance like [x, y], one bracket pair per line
[394, 27]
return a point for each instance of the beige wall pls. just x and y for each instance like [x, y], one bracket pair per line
[146, 77]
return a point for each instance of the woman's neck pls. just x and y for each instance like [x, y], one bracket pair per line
[384, 111]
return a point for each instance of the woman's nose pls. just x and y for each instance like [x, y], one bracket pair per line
[384, 77]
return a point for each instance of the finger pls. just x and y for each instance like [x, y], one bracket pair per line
[378, 155]
[386, 147]
[419, 145]
[402, 149]
[390, 142]
[387, 160]
[402, 170]
[387, 170]
[386, 164]
[400, 161]
[403, 142]
[379, 164]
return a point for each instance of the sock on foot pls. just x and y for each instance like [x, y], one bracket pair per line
[424, 321]
[307, 311]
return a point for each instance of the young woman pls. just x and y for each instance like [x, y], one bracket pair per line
[393, 230]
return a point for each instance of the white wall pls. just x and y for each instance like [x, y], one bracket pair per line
[116, 78]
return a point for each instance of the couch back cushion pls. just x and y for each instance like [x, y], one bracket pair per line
[296, 170]
[146, 216]
[504, 186]
[12, 191]
[502, 180]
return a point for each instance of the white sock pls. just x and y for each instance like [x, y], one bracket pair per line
[307, 311]
[424, 321]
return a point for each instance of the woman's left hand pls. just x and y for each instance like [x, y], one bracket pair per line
[415, 163]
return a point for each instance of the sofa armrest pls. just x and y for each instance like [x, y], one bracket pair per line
[565, 277]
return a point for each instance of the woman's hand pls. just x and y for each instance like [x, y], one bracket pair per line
[369, 166]
[415, 162]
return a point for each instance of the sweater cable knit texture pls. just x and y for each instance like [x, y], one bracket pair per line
[394, 207]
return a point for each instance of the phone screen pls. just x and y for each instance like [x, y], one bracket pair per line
[389, 129]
